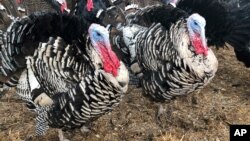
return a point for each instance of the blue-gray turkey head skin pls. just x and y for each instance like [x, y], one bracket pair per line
[169, 52]
[69, 87]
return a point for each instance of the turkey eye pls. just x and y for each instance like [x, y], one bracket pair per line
[195, 23]
[98, 34]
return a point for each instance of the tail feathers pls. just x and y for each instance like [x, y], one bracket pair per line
[236, 3]
[24, 34]
[7, 64]
[11, 58]
[239, 27]
[40, 26]
[166, 15]
[239, 34]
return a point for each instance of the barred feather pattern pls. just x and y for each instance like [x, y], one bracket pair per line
[23, 88]
[10, 51]
[24, 91]
[168, 62]
[80, 90]
[79, 107]
[64, 62]
[6, 65]
[10, 58]
[24, 34]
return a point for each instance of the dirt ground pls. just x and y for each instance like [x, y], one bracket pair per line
[204, 115]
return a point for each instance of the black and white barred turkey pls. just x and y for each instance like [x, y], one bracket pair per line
[168, 47]
[70, 85]
[13, 54]
[170, 57]
[80, 71]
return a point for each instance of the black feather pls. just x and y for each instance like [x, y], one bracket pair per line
[166, 15]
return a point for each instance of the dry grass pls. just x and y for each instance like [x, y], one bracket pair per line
[204, 115]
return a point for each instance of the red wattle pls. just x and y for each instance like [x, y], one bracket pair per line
[90, 5]
[198, 46]
[111, 62]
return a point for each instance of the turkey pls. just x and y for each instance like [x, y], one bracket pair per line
[168, 50]
[170, 57]
[224, 19]
[38, 27]
[77, 74]
[70, 85]
[13, 54]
